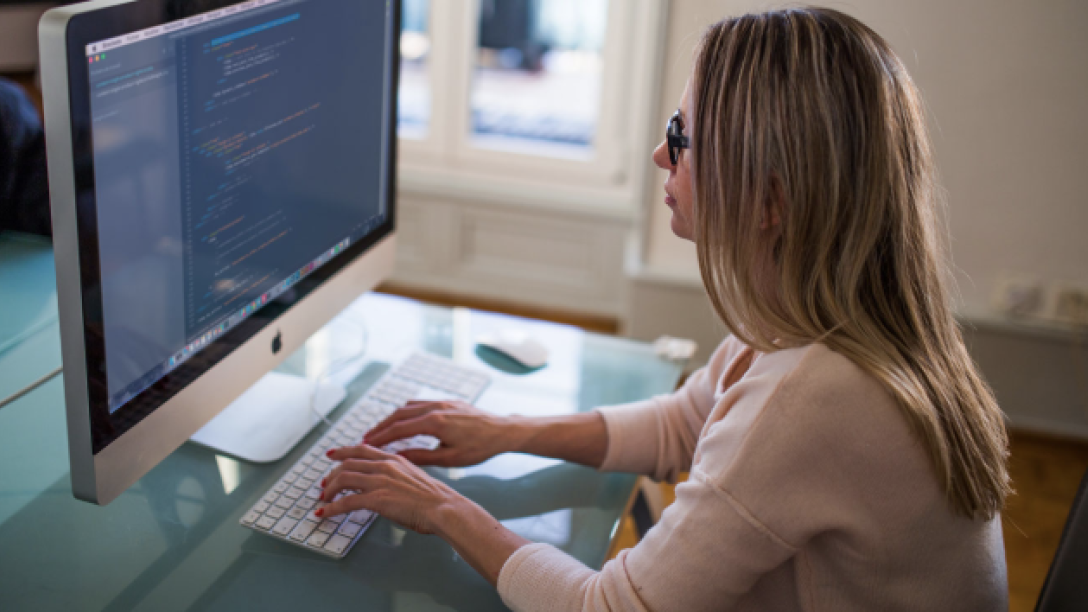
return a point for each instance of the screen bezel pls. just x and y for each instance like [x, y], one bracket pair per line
[110, 22]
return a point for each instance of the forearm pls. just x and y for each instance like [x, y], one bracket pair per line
[579, 438]
[478, 537]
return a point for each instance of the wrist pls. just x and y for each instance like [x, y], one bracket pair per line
[516, 433]
[448, 517]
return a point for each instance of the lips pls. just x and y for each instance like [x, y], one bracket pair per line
[669, 200]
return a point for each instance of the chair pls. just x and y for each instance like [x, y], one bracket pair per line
[1066, 586]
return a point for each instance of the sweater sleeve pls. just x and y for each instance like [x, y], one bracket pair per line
[657, 437]
[706, 553]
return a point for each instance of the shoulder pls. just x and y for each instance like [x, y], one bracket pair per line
[810, 404]
[822, 383]
[812, 443]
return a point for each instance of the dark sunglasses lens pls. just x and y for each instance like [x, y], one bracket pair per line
[672, 129]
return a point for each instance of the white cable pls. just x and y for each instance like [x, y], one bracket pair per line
[27, 389]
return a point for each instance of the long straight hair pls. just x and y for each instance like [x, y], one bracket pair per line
[810, 109]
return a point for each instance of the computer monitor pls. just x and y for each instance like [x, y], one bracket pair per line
[222, 183]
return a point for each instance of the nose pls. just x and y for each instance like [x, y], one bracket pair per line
[661, 157]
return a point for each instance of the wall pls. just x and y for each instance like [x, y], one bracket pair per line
[1007, 89]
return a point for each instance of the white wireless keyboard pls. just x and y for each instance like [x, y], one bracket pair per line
[286, 511]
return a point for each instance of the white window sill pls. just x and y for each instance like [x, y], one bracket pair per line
[547, 193]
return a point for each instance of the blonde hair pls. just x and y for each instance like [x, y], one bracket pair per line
[809, 112]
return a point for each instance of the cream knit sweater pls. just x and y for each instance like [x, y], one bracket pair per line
[807, 492]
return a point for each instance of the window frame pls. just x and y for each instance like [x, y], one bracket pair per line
[612, 180]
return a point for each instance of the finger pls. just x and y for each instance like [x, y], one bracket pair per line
[347, 481]
[359, 466]
[359, 451]
[413, 409]
[442, 457]
[348, 503]
[405, 429]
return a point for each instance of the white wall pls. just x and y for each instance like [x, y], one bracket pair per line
[1006, 82]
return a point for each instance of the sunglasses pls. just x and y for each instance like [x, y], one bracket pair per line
[675, 139]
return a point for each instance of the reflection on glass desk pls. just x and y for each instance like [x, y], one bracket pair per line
[172, 541]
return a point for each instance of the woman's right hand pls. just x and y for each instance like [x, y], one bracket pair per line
[467, 434]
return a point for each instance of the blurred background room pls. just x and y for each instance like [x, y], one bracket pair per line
[525, 186]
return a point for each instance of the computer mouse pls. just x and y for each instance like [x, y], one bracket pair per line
[517, 345]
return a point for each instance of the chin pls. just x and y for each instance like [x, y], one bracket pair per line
[680, 228]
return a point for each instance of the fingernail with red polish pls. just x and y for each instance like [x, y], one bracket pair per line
[323, 480]
[319, 512]
[328, 453]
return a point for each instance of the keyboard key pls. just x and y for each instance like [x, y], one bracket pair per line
[266, 522]
[303, 531]
[288, 505]
[285, 526]
[361, 516]
[350, 529]
[337, 544]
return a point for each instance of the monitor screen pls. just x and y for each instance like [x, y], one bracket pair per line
[231, 160]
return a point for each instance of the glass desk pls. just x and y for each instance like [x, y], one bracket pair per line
[172, 541]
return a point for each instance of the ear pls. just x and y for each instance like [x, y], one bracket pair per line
[774, 205]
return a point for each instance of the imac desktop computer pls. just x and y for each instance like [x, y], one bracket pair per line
[222, 184]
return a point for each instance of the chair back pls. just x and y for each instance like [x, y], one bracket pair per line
[1066, 586]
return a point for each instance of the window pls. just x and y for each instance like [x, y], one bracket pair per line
[414, 95]
[536, 81]
[497, 96]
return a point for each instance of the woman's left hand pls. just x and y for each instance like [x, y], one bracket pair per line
[387, 484]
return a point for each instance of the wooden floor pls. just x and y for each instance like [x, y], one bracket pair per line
[1045, 473]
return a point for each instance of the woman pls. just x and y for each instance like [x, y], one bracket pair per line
[844, 452]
